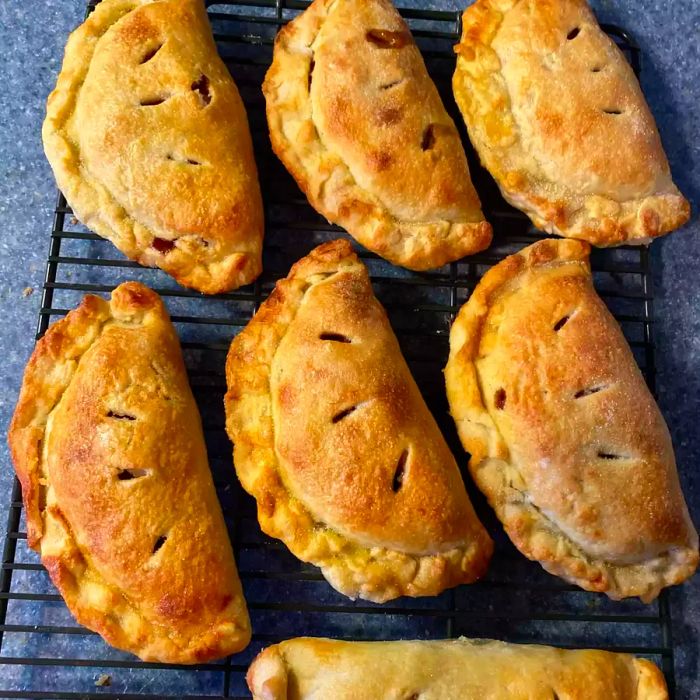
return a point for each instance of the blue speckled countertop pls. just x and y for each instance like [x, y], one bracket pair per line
[32, 36]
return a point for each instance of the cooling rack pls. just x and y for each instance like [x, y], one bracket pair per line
[45, 654]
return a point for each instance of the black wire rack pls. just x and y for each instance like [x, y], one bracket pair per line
[45, 654]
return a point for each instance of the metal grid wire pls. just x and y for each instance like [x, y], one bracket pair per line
[44, 653]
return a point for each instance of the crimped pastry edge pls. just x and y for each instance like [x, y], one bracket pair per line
[47, 376]
[91, 201]
[537, 537]
[637, 221]
[377, 574]
[268, 674]
[401, 242]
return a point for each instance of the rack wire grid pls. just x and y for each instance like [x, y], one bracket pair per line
[45, 654]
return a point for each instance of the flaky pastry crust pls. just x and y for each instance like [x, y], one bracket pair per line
[457, 669]
[107, 443]
[333, 439]
[357, 121]
[558, 118]
[565, 438]
[149, 142]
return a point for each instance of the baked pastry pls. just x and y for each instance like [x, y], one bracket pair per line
[357, 121]
[149, 142]
[558, 118]
[108, 445]
[565, 438]
[457, 669]
[334, 440]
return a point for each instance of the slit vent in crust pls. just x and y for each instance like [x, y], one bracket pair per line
[335, 337]
[610, 455]
[158, 544]
[343, 414]
[150, 54]
[120, 415]
[386, 39]
[188, 161]
[154, 100]
[201, 86]
[582, 393]
[428, 140]
[561, 323]
[400, 472]
[130, 474]
[393, 83]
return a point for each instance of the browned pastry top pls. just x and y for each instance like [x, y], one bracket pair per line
[361, 448]
[107, 442]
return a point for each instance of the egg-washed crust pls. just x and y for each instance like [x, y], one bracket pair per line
[130, 530]
[558, 118]
[328, 669]
[149, 142]
[653, 502]
[361, 127]
[416, 542]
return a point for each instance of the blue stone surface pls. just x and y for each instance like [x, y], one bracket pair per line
[33, 35]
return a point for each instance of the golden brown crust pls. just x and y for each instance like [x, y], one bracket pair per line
[326, 669]
[335, 442]
[108, 445]
[149, 142]
[355, 118]
[558, 118]
[565, 438]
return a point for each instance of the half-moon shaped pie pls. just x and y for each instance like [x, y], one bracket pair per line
[108, 445]
[149, 142]
[558, 118]
[332, 437]
[457, 669]
[358, 122]
[565, 438]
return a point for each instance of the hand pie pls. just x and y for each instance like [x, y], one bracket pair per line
[335, 442]
[558, 118]
[357, 121]
[458, 669]
[565, 438]
[149, 142]
[107, 443]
